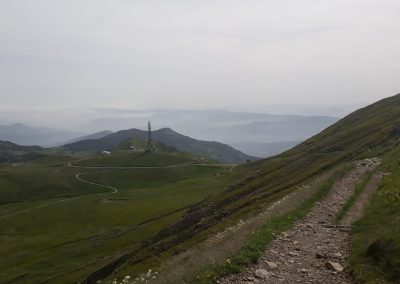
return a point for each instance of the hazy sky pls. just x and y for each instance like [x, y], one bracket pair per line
[197, 53]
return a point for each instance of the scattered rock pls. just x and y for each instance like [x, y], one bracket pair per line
[338, 255]
[272, 265]
[334, 266]
[262, 274]
[303, 270]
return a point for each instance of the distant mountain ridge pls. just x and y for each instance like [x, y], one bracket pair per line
[287, 130]
[214, 150]
[9, 146]
[264, 150]
[22, 134]
[96, 135]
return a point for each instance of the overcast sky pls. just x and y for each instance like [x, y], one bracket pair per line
[197, 53]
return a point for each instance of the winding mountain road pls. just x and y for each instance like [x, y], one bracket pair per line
[114, 190]
[78, 177]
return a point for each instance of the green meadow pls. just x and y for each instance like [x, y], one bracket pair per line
[57, 229]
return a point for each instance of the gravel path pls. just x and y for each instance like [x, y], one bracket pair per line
[313, 251]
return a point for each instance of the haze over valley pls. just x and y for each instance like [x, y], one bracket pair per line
[204, 142]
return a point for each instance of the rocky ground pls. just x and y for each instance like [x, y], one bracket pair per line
[315, 250]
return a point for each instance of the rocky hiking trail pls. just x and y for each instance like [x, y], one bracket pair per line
[316, 249]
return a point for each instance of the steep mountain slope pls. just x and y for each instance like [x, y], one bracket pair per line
[213, 150]
[366, 133]
[25, 135]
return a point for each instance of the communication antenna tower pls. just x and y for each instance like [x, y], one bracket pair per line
[149, 146]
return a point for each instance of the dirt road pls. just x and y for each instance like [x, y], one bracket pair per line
[314, 250]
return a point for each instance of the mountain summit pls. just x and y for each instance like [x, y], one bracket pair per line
[214, 150]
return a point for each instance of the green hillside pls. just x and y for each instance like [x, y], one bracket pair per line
[212, 150]
[13, 153]
[67, 219]
[137, 159]
[58, 227]
[369, 132]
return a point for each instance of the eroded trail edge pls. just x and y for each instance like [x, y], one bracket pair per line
[314, 250]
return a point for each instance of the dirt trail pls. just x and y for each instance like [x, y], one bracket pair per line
[313, 251]
[357, 210]
[113, 189]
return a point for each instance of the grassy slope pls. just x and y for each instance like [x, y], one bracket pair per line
[368, 132]
[133, 159]
[73, 237]
[212, 150]
[41, 179]
[261, 237]
[376, 245]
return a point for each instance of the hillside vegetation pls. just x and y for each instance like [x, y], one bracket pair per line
[376, 245]
[213, 150]
[13, 153]
[57, 227]
[137, 159]
[366, 133]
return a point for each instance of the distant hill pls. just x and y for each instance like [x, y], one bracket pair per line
[8, 146]
[141, 144]
[264, 150]
[96, 135]
[213, 150]
[25, 135]
[220, 125]
[11, 153]
[289, 128]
